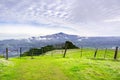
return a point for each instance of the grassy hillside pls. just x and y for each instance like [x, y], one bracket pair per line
[53, 67]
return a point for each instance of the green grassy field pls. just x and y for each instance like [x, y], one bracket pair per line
[52, 66]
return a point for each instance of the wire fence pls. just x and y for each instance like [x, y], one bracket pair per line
[82, 52]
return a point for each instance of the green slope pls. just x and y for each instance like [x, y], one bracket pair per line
[73, 67]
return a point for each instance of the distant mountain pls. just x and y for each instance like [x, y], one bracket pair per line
[100, 42]
[55, 38]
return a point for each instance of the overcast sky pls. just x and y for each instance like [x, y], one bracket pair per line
[26, 18]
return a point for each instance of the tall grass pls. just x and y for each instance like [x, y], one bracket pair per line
[52, 66]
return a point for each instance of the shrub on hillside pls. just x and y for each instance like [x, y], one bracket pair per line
[37, 52]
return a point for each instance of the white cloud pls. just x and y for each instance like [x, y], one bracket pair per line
[20, 31]
[113, 20]
[83, 17]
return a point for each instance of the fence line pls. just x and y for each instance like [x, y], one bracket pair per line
[115, 56]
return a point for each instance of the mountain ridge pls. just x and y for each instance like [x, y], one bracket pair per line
[40, 41]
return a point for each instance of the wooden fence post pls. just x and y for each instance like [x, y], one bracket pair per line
[3, 53]
[31, 54]
[81, 50]
[6, 54]
[105, 53]
[65, 50]
[42, 50]
[20, 52]
[51, 53]
[116, 52]
[95, 52]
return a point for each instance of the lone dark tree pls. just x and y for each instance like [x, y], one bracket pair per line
[68, 45]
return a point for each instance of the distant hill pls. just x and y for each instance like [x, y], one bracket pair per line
[100, 42]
